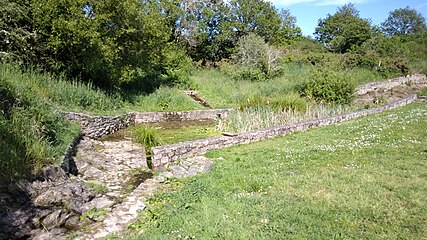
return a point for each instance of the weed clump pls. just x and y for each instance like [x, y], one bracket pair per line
[148, 137]
[289, 102]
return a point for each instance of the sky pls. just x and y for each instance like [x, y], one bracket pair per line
[308, 12]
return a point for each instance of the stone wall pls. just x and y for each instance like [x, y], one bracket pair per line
[162, 156]
[153, 117]
[391, 83]
[97, 126]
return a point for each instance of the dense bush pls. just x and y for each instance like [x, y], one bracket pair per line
[325, 85]
[386, 66]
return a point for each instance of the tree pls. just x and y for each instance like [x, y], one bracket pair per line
[110, 43]
[343, 31]
[403, 21]
[17, 34]
[288, 32]
[256, 58]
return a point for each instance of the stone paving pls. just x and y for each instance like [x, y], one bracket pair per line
[115, 165]
[112, 164]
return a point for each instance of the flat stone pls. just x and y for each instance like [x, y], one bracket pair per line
[177, 169]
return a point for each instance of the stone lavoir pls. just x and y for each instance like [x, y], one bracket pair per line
[58, 204]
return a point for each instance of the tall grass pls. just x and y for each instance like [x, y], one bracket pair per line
[56, 91]
[221, 91]
[260, 116]
[32, 133]
[163, 99]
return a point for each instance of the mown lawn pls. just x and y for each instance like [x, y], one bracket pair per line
[364, 179]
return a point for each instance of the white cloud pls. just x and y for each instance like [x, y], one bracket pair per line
[315, 2]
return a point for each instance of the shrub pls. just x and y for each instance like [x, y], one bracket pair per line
[257, 60]
[177, 66]
[327, 86]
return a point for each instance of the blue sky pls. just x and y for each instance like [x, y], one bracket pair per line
[308, 12]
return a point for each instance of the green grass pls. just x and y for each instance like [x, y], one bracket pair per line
[221, 91]
[32, 133]
[364, 179]
[163, 99]
[56, 91]
[423, 92]
[188, 133]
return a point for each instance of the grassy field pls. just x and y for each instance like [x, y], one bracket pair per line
[364, 179]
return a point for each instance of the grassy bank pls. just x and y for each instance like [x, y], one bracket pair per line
[32, 132]
[221, 91]
[364, 179]
[81, 97]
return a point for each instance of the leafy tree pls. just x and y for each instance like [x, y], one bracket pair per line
[343, 31]
[288, 32]
[404, 21]
[111, 43]
[17, 34]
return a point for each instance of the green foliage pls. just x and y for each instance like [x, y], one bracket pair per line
[32, 133]
[384, 66]
[343, 31]
[17, 34]
[289, 102]
[404, 21]
[148, 137]
[327, 86]
[177, 66]
[238, 18]
[107, 43]
[256, 59]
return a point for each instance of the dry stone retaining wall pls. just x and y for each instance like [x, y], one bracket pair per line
[152, 117]
[164, 155]
[391, 83]
[97, 126]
